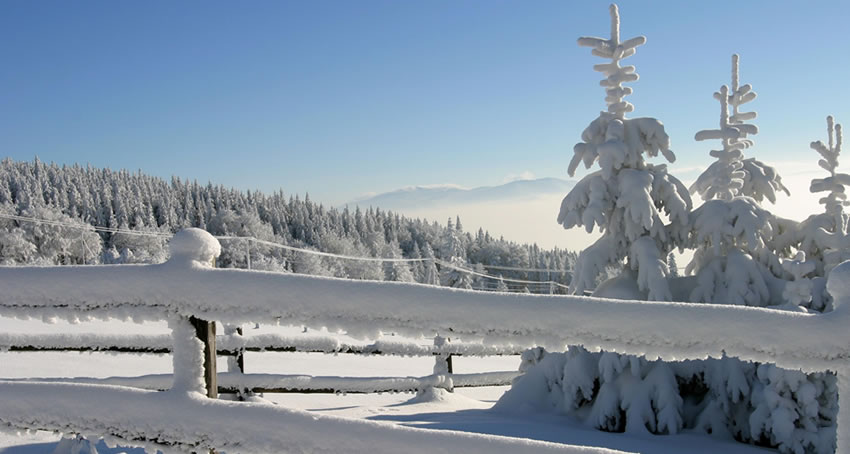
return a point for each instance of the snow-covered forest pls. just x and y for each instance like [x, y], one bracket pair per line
[75, 199]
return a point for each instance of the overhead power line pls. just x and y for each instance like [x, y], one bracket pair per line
[442, 263]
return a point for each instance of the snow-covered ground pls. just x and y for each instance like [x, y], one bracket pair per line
[467, 409]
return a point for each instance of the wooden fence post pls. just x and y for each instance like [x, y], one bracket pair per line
[206, 333]
[240, 354]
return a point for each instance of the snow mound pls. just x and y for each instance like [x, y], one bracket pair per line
[194, 245]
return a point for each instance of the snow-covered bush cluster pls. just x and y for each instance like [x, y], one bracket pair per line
[742, 255]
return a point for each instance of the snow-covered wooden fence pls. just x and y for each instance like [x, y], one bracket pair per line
[231, 345]
[187, 286]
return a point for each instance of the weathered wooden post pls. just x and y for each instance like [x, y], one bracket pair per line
[205, 331]
[443, 363]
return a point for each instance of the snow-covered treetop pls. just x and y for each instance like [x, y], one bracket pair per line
[615, 75]
[835, 182]
[194, 245]
[725, 178]
[615, 141]
[732, 175]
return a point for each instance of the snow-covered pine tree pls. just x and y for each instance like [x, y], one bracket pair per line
[737, 261]
[627, 198]
[824, 236]
[454, 254]
[430, 276]
[394, 270]
[731, 231]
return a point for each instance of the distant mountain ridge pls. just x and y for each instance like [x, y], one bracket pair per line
[417, 197]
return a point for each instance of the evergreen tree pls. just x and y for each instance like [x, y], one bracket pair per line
[627, 198]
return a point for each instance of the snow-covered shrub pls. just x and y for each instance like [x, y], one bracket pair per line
[611, 392]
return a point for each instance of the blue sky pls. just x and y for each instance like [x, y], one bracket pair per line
[342, 98]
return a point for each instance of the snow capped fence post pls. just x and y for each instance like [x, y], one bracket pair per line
[443, 363]
[194, 366]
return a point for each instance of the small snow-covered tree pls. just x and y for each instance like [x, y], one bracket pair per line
[628, 199]
[430, 274]
[454, 255]
[731, 231]
[824, 236]
[835, 183]
[395, 270]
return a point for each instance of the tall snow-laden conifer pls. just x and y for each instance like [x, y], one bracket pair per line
[627, 198]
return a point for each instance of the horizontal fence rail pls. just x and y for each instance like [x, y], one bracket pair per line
[235, 382]
[236, 345]
[364, 308]
[187, 288]
[230, 345]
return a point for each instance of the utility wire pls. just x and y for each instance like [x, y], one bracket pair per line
[442, 263]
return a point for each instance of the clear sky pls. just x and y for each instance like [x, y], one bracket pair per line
[341, 98]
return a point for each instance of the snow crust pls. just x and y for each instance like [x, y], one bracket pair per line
[190, 422]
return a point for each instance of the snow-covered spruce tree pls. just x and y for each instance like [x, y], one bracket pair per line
[627, 198]
[430, 274]
[454, 253]
[731, 231]
[395, 270]
[736, 262]
[824, 236]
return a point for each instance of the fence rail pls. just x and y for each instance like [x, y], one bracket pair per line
[186, 287]
[236, 345]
